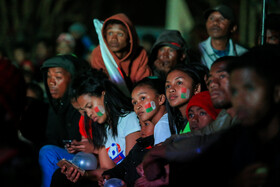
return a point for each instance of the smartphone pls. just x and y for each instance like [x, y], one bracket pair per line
[67, 142]
[68, 164]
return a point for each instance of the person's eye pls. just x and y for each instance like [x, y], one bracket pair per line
[110, 33]
[171, 50]
[167, 86]
[179, 83]
[222, 76]
[222, 19]
[250, 88]
[134, 103]
[211, 18]
[142, 98]
[274, 38]
[202, 113]
[208, 82]
[58, 78]
[120, 34]
[191, 115]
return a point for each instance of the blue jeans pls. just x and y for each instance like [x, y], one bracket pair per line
[49, 155]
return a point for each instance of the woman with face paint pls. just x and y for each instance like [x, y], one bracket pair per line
[148, 100]
[108, 120]
[182, 82]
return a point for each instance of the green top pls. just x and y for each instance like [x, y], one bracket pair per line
[186, 129]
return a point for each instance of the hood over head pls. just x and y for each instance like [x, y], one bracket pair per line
[70, 63]
[171, 38]
[133, 37]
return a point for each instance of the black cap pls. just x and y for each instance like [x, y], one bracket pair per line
[226, 12]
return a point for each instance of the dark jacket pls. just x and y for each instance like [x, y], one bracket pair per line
[63, 119]
[216, 159]
[126, 170]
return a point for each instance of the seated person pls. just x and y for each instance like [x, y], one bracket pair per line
[65, 44]
[109, 122]
[220, 23]
[122, 41]
[126, 170]
[182, 82]
[168, 50]
[272, 29]
[62, 119]
[148, 99]
[200, 111]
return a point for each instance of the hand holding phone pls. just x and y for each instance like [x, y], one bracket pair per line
[69, 164]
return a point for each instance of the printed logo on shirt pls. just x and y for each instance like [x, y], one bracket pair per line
[115, 153]
[99, 110]
[150, 106]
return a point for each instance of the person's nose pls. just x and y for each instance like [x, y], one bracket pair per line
[172, 89]
[114, 37]
[89, 113]
[215, 21]
[195, 118]
[214, 83]
[138, 106]
[165, 53]
[52, 81]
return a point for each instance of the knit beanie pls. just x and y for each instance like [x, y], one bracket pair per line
[204, 101]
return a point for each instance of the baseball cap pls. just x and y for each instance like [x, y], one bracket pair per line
[226, 12]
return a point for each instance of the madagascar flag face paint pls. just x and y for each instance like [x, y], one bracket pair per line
[99, 110]
[185, 93]
[150, 106]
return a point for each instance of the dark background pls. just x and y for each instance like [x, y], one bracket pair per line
[26, 20]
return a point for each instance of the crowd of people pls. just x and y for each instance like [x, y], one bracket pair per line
[163, 117]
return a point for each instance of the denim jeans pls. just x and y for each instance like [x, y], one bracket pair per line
[49, 155]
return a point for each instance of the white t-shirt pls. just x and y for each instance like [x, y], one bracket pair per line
[115, 146]
[162, 130]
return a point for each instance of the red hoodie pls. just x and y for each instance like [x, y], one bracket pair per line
[135, 64]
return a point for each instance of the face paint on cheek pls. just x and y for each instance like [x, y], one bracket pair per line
[99, 110]
[150, 106]
[185, 93]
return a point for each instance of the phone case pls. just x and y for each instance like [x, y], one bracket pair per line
[68, 164]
